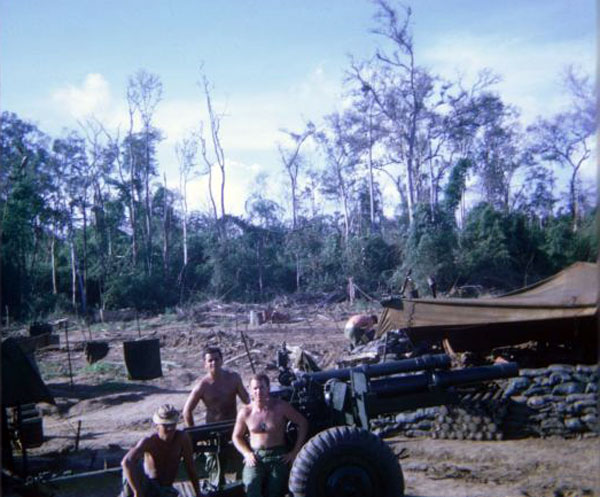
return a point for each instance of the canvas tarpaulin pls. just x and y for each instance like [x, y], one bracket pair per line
[21, 383]
[568, 296]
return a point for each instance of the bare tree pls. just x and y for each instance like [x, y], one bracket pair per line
[186, 151]
[217, 150]
[208, 162]
[342, 158]
[144, 93]
[133, 166]
[565, 139]
[292, 161]
[400, 90]
[168, 200]
[100, 167]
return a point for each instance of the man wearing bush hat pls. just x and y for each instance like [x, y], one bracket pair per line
[161, 453]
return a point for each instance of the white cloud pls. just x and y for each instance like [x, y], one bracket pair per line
[250, 123]
[253, 121]
[530, 71]
[240, 183]
[92, 97]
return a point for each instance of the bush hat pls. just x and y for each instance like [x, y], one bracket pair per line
[166, 415]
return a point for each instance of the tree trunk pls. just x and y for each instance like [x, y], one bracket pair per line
[165, 228]
[73, 275]
[371, 185]
[53, 263]
[84, 255]
[148, 204]
[184, 229]
[573, 200]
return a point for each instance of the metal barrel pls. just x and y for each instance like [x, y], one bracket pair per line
[422, 363]
[442, 379]
[209, 430]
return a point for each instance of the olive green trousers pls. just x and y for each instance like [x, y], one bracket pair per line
[269, 477]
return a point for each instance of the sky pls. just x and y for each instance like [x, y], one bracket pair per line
[273, 64]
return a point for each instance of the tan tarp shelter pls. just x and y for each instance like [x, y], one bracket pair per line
[565, 304]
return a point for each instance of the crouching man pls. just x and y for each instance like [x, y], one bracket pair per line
[161, 453]
[266, 457]
[360, 329]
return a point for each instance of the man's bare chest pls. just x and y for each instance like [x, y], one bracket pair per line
[263, 422]
[219, 392]
[164, 453]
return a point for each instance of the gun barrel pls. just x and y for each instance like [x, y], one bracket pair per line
[442, 379]
[210, 430]
[422, 363]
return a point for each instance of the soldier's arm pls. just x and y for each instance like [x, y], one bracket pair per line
[188, 460]
[191, 403]
[129, 463]
[300, 421]
[239, 440]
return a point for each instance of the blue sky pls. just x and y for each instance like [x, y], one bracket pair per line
[273, 63]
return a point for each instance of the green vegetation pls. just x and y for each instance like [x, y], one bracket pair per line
[85, 223]
[106, 371]
[50, 370]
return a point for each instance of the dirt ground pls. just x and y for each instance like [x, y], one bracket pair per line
[112, 412]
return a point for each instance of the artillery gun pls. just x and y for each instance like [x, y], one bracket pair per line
[342, 457]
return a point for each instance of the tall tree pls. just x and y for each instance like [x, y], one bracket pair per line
[499, 154]
[186, 151]
[342, 158]
[566, 139]
[218, 155]
[145, 92]
[401, 91]
[71, 159]
[292, 161]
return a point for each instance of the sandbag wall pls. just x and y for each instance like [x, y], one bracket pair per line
[558, 400]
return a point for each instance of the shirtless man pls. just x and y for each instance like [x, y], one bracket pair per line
[161, 452]
[217, 390]
[360, 329]
[266, 458]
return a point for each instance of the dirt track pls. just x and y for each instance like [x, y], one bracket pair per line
[114, 412]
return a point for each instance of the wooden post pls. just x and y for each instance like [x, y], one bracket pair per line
[78, 435]
[137, 320]
[25, 468]
[243, 335]
[69, 355]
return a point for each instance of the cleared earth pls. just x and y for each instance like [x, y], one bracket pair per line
[112, 412]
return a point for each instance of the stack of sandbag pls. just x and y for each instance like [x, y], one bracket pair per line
[557, 400]
[416, 423]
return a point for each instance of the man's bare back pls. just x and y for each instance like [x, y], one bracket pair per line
[217, 390]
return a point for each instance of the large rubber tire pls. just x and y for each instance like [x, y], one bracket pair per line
[346, 462]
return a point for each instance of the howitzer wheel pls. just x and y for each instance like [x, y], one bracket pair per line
[346, 462]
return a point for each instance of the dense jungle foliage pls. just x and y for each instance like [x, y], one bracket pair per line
[87, 222]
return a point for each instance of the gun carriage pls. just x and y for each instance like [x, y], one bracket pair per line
[342, 458]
